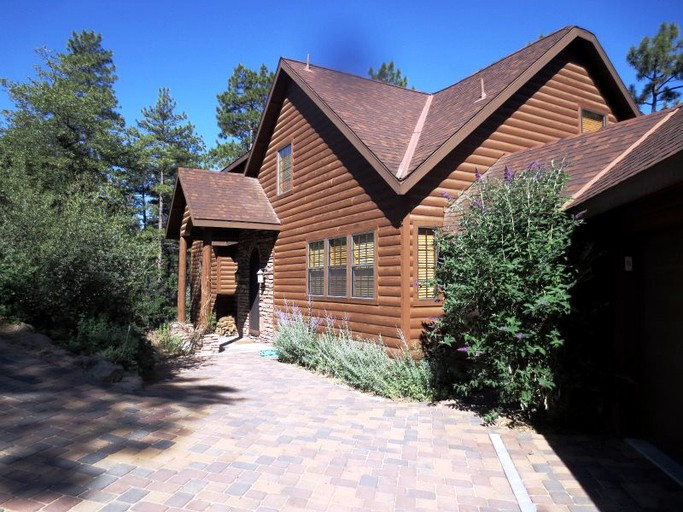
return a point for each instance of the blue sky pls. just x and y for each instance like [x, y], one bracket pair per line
[192, 47]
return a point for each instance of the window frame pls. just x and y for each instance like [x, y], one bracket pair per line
[344, 254]
[280, 170]
[349, 266]
[426, 299]
[320, 268]
[358, 266]
[584, 111]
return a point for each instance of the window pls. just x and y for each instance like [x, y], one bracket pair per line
[426, 263]
[336, 267]
[316, 268]
[592, 121]
[284, 169]
[363, 266]
[331, 266]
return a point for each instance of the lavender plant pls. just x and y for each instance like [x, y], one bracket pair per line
[364, 365]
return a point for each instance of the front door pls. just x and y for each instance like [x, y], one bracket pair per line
[254, 318]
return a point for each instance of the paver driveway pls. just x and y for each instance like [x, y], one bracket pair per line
[242, 432]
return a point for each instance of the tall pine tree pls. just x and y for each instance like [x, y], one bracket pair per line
[658, 61]
[239, 112]
[66, 130]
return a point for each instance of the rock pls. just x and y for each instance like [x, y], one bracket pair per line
[106, 372]
[18, 328]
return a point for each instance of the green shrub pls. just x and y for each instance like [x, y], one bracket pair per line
[169, 342]
[119, 344]
[364, 365]
[505, 280]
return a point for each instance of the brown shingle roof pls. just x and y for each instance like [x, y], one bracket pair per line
[222, 200]
[404, 133]
[383, 116]
[457, 104]
[604, 159]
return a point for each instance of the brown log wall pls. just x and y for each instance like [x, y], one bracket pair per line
[546, 109]
[334, 192]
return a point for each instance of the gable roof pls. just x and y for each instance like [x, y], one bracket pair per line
[220, 200]
[600, 161]
[404, 133]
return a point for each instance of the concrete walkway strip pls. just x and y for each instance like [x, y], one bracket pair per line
[659, 459]
[521, 494]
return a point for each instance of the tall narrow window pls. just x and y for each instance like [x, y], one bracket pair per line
[592, 121]
[284, 169]
[316, 268]
[426, 263]
[363, 266]
[336, 267]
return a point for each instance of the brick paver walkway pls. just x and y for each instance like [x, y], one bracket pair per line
[242, 432]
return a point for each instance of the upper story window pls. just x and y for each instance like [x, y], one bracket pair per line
[284, 169]
[426, 263]
[592, 121]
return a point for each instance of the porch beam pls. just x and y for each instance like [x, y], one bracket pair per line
[182, 277]
[205, 306]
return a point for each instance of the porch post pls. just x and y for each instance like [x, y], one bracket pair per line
[182, 277]
[204, 308]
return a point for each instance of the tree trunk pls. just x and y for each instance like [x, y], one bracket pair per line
[161, 226]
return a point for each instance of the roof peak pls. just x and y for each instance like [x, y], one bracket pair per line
[349, 74]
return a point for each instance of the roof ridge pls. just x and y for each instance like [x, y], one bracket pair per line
[353, 75]
[567, 28]
[573, 199]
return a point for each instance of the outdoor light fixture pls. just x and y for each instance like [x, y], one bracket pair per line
[260, 276]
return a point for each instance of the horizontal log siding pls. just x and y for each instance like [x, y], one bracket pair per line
[546, 109]
[227, 268]
[328, 199]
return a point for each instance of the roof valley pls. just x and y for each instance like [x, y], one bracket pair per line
[414, 139]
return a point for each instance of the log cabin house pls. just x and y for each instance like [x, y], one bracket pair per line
[337, 202]
[336, 205]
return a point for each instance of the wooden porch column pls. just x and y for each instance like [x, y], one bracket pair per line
[205, 309]
[182, 277]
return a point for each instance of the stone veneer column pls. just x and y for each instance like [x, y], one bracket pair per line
[263, 241]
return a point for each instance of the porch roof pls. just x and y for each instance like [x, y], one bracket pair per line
[602, 161]
[219, 200]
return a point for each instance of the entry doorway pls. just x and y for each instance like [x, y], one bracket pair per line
[254, 295]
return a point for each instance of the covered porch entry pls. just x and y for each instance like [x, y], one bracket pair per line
[226, 230]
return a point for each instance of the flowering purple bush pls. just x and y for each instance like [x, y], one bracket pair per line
[508, 263]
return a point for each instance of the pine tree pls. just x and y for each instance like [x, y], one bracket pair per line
[239, 111]
[389, 74]
[659, 61]
[66, 130]
[164, 141]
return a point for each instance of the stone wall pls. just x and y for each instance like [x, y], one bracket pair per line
[263, 242]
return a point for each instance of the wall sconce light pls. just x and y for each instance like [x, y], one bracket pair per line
[260, 276]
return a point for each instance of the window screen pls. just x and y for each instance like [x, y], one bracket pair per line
[426, 263]
[316, 268]
[363, 266]
[591, 121]
[284, 169]
[336, 267]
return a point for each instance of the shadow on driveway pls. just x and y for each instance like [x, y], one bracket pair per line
[55, 424]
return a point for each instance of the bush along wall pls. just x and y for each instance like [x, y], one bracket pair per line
[506, 280]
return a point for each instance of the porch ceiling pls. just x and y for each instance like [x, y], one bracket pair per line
[220, 200]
